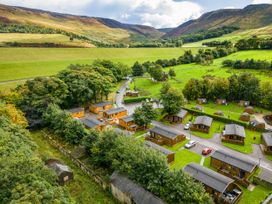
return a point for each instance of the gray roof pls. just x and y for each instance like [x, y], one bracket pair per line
[203, 120]
[115, 110]
[158, 147]
[137, 193]
[59, 168]
[166, 132]
[75, 110]
[101, 104]
[128, 118]
[182, 113]
[245, 114]
[208, 177]
[91, 123]
[267, 137]
[233, 129]
[244, 164]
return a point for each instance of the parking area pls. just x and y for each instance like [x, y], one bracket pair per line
[199, 148]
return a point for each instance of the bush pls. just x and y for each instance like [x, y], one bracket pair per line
[135, 100]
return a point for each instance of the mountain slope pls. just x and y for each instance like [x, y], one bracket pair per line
[97, 29]
[252, 16]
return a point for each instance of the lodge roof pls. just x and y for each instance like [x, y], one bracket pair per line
[203, 120]
[128, 118]
[182, 113]
[208, 177]
[233, 129]
[166, 132]
[75, 110]
[115, 110]
[244, 164]
[58, 167]
[267, 137]
[158, 147]
[101, 104]
[137, 193]
[91, 123]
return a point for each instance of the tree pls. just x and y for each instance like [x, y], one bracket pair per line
[266, 95]
[172, 73]
[172, 101]
[144, 115]
[137, 69]
[156, 72]
[192, 89]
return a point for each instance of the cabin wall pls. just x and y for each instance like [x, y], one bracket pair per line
[200, 128]
[234, 139]
[78, 114]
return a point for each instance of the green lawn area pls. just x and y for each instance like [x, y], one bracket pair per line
[247, 148]
[217, 127]
[255, 196]
[176, 147]
[184, 157]
[269, 157]
[83, 189]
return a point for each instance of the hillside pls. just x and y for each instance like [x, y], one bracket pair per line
[96, 29]
[250, 17]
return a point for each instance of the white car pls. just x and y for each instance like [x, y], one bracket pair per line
[190, 144]
[187, 126]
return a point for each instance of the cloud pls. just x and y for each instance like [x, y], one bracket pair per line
[262, 2]
[158, 13]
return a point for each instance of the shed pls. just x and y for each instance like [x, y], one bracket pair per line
[199, 108]
[202, 124]
[179, 117]
[91, 123]
[169, 154]
[128, 123]
[244, 103]
[255, 124]
[234, 134]
[249, 110]
[63, 172]
[267, 142]
[77, 112]
[245, 117]
[131, 93]
[221, 101]
[219, 113]
[128, 192]
[202, 101]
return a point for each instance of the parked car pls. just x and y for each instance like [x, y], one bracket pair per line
[187, 126]
[190, 144]
[206, 151]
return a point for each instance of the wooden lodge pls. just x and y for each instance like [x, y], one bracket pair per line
[201, 101]
[202, 124]
[245, 117]
[128, 123]
[128, 192]
[131, 93]
[219, 113]
[222, 188]
[199, 108]
[244, 103]
[177, 118]
[234, 134]
[221, 101]
[93, 124]
[268, 119]
[165, 136]
[63, 172]
[249, 110]
[255, 124]
[233, 166]
[267, 142]
[112, 115]
[169, 154]
[100, 107]
[77, 112]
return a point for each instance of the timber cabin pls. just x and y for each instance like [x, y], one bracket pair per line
[169, 154]
[127, 123]
[233, 166]
[100, 107]
[255, 124]
[268, 119]
[267, 142]
[245, 117]
[93, 124]
[222, 188]
[112, 115]
[233, 133]
[221, 101]
[177, 118]
[131, 93]
[165, 136]
[128, 192]
[244, 103]
[77, 112]
[63, 172]
[201, 101]
[249, 110]
[202, 124]
[219, 113]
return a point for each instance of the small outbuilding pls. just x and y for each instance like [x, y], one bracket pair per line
[222, 188]
[77, 112]
[202, 124]
[245, 117]
[177, 118]
[201, 101]
[169, 154]
[63, 172]
[221, 101]
[128, 192]
[165, 136]
[90, 123]
[128, 123]
[114, 114]
[219, 113]
[131, 93]
[255, 124]
[267, 142]
[249, 110]
[234, 134]
[244, 103]
[199, 108]
[98, 108]
[268, 119]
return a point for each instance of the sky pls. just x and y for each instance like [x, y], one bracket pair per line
[156, 13]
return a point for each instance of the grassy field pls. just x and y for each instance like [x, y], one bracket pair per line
[18, 63]
[83, 189]
[184, 157]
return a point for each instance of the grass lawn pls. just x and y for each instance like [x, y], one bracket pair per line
[184, 157]
[176, 147]
[83, 189]
[217, 127]
[256, 196]
[269, 157]
[247, 148]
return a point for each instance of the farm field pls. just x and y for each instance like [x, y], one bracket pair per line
[18, 63]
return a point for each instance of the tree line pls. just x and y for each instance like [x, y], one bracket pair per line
[237, 87]
[248, 64]
[254, 43]
[225, 43]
